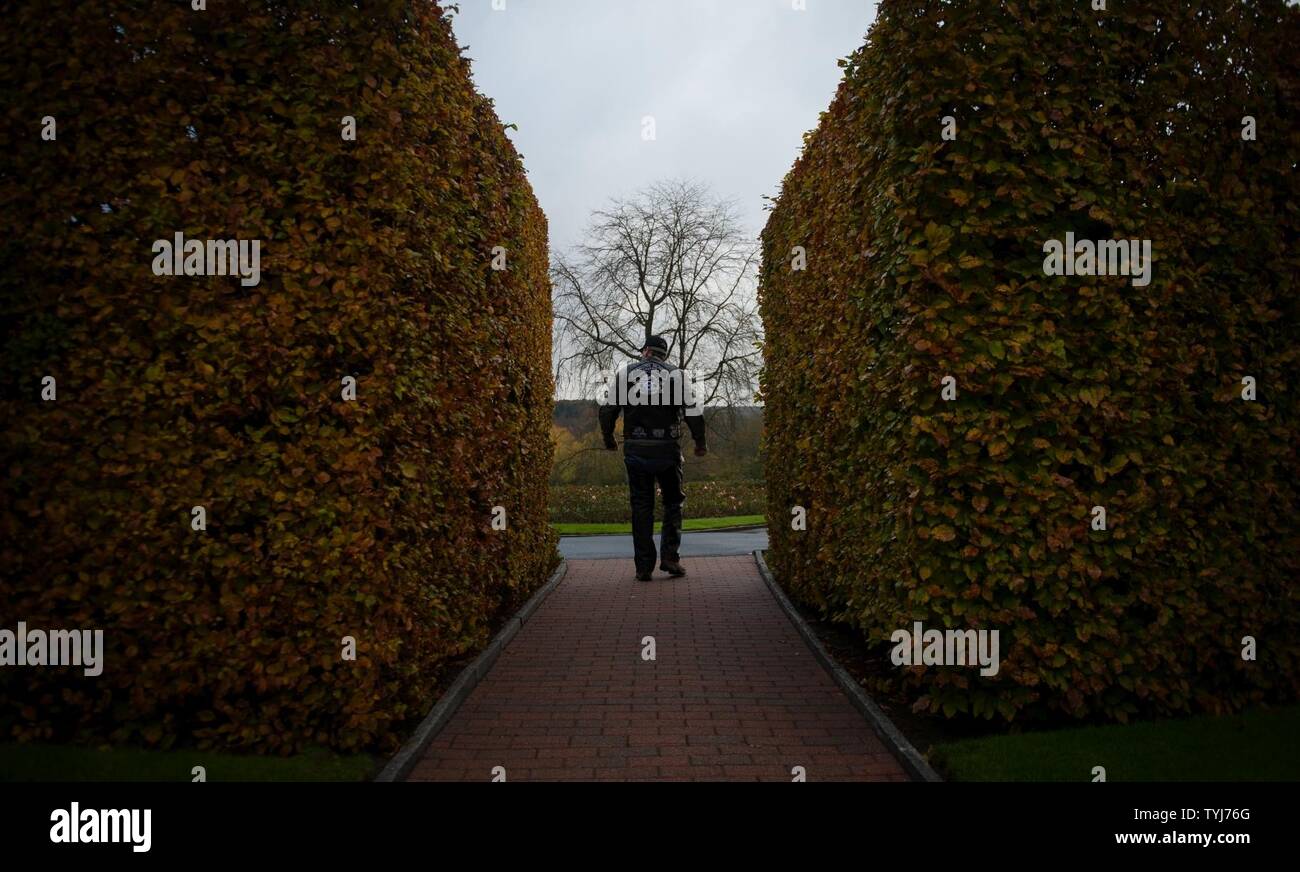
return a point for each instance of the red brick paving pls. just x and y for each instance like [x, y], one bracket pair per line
[733, 694]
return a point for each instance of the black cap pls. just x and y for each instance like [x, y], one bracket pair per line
[658, 342]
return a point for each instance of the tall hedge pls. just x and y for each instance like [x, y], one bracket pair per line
[924, 259]
[326, 517]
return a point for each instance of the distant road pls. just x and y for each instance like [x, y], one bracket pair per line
[704, 544]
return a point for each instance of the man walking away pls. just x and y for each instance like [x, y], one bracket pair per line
[653, 396]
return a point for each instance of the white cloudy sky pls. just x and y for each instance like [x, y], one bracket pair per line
[732, 86]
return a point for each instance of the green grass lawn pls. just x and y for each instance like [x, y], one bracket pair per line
[688, 524]
[66, 763]
[1255, 746]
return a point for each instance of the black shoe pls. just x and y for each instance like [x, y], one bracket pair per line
[643, 576]
[673, 568]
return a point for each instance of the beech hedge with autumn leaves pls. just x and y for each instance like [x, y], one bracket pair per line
[925, 260]
[326, 518]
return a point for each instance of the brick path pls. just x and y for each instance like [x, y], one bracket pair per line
[733, 694]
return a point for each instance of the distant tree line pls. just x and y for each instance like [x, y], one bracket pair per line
[734, 438]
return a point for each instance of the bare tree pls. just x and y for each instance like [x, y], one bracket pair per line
[672, 260]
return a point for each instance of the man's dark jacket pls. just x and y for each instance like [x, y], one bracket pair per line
[652, 425]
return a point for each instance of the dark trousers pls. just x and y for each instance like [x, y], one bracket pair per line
[642, 474]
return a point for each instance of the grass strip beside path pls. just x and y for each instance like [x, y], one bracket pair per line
[1258, 745]
[21, 762]
[690, 524]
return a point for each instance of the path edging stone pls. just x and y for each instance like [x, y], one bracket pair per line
[405, 759]
[911, 759]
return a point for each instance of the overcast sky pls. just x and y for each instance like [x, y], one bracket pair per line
[732, 86]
